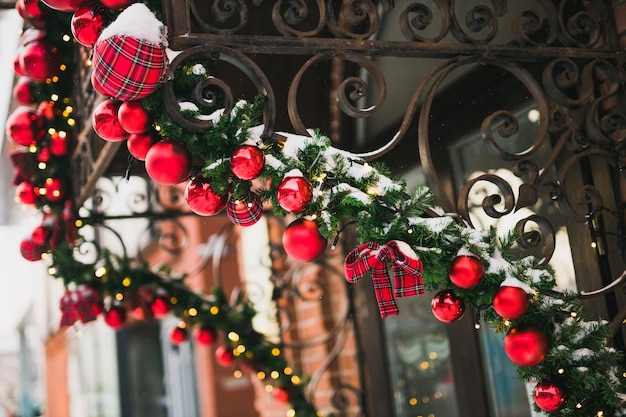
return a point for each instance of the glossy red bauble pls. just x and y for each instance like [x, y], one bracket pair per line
[549, 397]
[205, 335]
[140, 143]
[134, 118]
[87, 24]
[294, 194]
[23, 90]
[245, 211]
[280, 395]
[41, 235]
[65, 5]
[115, 316]
[168, 162]
[466, 271]
[510, 302]
[117, 4]
[161, 306]
[30, 9]
[302, 240]
[247, 162]
[201, 198]
[179, 335]
[47, 110]
[105, 122]
[224, 355]
[40, 60]
[25, 193]
[31, 251]
[25, 126]
[526, 345]
[17, 64]
[447, 306]
[59, 144]
[55, 189]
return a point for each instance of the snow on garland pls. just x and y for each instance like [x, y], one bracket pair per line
[549, 335]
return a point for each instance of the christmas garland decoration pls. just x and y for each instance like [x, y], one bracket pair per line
[549, 335]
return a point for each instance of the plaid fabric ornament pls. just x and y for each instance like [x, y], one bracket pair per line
[89, 304]
[406, 267]
[245, 211]
[20, 160]
[128, 68]
[69, 308]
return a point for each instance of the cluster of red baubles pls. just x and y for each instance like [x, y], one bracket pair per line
[168, 162]
[146, 304]
[523, 345]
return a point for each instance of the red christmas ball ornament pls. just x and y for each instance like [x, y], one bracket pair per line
[447, 306]
[134, 118]
[247, 162]
[550, 397]
[161, 305]
[23, 90]
[25, 126]
[31, 10]
[525, 345]
[65, 5]
[178, 335]
[140, 143]
[41, 235]
[31, 251]
[40, 60]
[97, 86]
[280, 395]
[510, 302]
[60, 143]
[466, 271]
[201, 198]
[168, 162]
[26, 194]
[105, 122]
[245, 211]
[17, 64]
[294, 194]
[47, 110]
[115, 316]
[224, 355]
[87, 24]
[117, 4]
[302, 240]
[43, 155]
[55, 189]
[205, 335]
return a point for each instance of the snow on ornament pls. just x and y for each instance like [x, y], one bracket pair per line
[129, 57]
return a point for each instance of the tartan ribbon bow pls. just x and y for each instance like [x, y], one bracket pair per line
[405, 264]
[82, 304]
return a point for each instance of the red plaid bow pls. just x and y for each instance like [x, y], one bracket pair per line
[82, 304]
[406, 266]
[20, 160]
